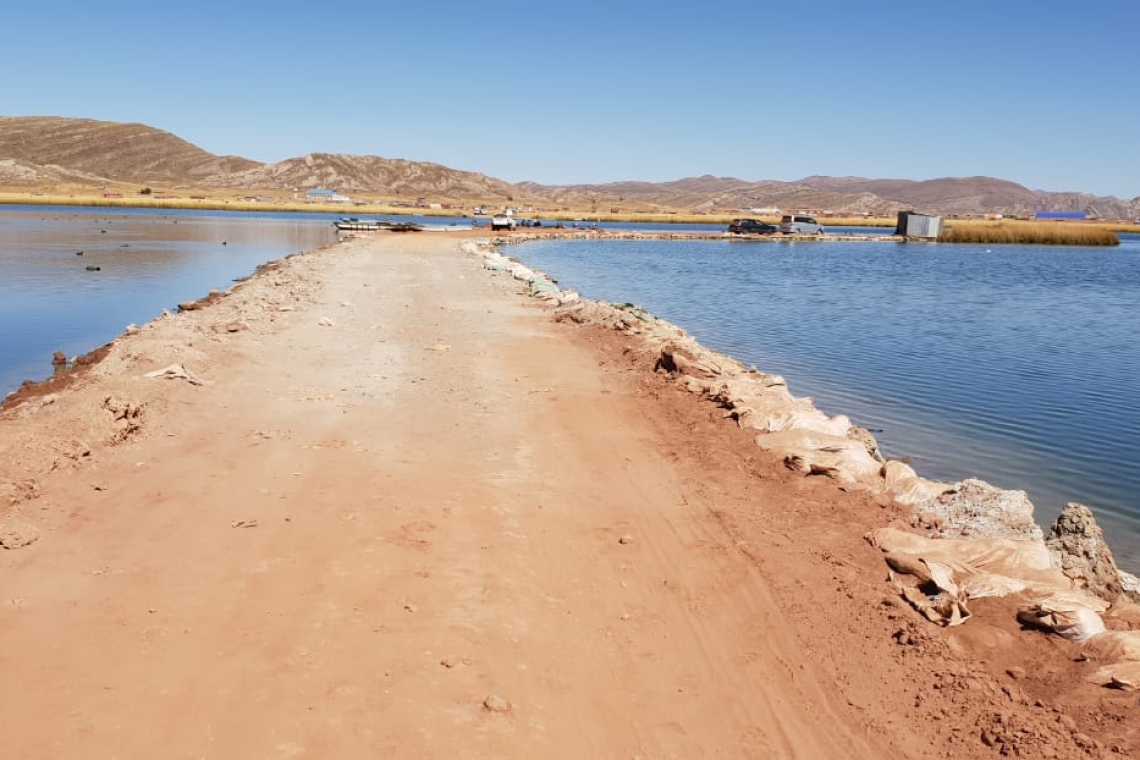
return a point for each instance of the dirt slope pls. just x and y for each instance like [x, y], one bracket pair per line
[405, 514]
[98, 151]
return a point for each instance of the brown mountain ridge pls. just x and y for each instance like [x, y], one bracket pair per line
[48, 152]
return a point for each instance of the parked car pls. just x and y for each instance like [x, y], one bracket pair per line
[753, 226]
[800, 224]
[502, 222]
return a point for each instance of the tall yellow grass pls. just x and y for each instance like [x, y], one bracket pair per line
[1028, 233]
[859, 221]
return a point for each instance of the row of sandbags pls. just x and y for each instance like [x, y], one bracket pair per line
[981, 540]
[541, 285]
[791, 427]
[939, 577]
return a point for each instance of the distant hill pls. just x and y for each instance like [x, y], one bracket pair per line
[844, 195]
[47, 152]
[370, 174]
[102, 151]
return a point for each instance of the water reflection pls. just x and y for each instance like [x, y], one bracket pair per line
[71, 280]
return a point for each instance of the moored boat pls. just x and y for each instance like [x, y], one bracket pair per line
[351, 223]
[405, 227]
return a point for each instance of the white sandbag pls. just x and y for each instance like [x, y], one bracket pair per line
[992, 554]
[1120, 653]
[1114, 646]
[819, 453]
[780, 419]
[524, 273]
[1066, 617]
[915, 491]
[895, 471]
[989, 566]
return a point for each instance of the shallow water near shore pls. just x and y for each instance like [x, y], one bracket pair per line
[72, 279]
[1014, 364]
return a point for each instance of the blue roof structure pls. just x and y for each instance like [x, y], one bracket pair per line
[1060, 215]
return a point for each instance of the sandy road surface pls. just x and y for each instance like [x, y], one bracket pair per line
[407, 515]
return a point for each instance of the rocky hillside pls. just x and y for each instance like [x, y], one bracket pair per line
[844, 195]
[100, 151]
[51, 152]
[45, 152]
[370, 174]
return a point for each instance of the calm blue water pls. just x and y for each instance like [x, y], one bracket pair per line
[148, 261]
[1015, 364]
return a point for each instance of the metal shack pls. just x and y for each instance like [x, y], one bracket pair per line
[914, 225]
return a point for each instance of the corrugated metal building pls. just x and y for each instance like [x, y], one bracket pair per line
[914, 225]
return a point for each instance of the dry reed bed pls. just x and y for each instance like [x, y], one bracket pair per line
[1028, 233]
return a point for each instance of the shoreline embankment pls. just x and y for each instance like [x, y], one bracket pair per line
[422, 520]
[960, 523]
[974, 439]
[810, 442]
[417, 480]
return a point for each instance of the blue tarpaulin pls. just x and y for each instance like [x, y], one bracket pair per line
[1060, 215]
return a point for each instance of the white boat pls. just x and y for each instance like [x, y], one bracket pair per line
[361, 225]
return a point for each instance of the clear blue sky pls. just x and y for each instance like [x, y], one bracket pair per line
[1043, 93]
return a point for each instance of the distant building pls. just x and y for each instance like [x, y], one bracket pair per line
[1074, 215]
[322, 195]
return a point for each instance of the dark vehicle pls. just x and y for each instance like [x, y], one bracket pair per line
[753, 226]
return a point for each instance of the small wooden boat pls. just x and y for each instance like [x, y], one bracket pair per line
[351, 223]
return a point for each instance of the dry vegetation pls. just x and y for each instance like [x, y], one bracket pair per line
[1029, 233]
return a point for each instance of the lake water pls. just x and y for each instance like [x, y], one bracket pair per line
[147, 261]
[1015, 364]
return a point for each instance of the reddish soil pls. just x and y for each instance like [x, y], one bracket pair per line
[394, 509]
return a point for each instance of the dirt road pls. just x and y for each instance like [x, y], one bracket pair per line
[405, 514]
